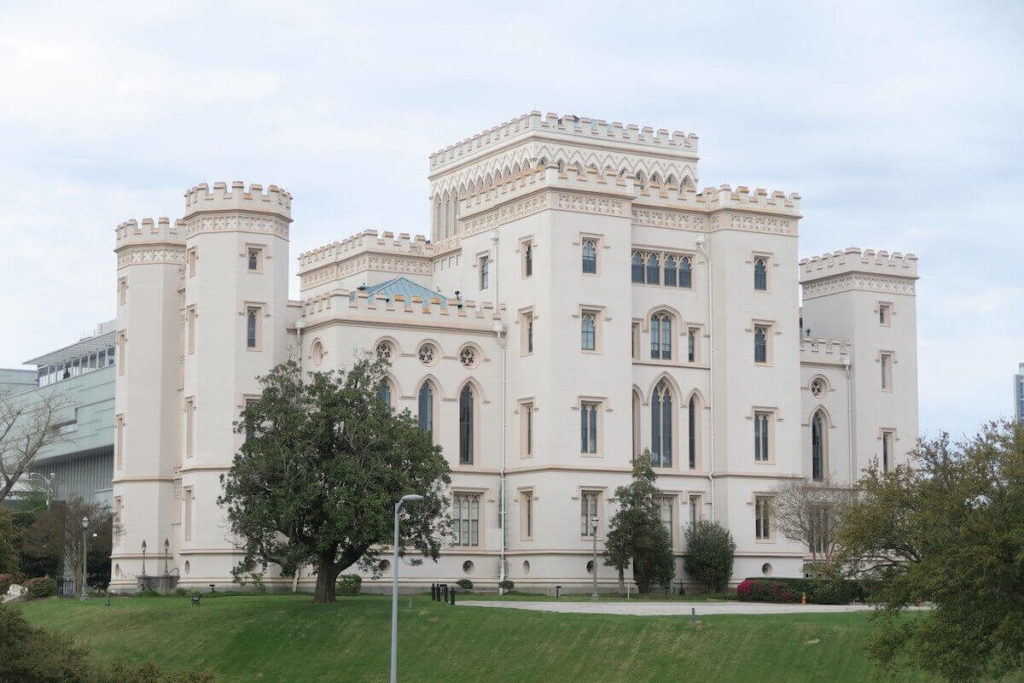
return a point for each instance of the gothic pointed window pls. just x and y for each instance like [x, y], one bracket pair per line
[589, 257]
[652, 270]
[661, 425]
[250, 327]
[384, 391]
[425, 407]
[670, 271]
[818, 447]
[661, 336]
[760, 345]
[760, 274]
[466, 426]
[588, 332]
[691, 445]
[638, 267]
[685, 273]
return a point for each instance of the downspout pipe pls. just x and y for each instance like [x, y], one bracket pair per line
[711, 372]
[851, 410]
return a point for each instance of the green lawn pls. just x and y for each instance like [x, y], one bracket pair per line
[288, 638]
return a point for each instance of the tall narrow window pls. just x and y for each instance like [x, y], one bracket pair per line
[588, 427]
[526, 429]
[484, 272]
[638, 267]
[661, 425]
[466, 426]
[589, 257]
[384, 392]
[122, 291]
[685, 273]
[695, 508]
[817, 447]
[762, 426]
[691, 345]
[762, 518]
[884, 314]
[634, 340]
[670, 271]
[661, 336]
[526, 511]
[190, 427]
[122, 343]
[665, 506]
[653, 276]
[888, 437]
[636, 423]
[250, 431]
[251, 327]
[691, 445]
[588, 511]
[426, 407]
[190, 315]
[438, 225]
[255, 254]
[466, 519]
[119, 439]
[760, 274]
[886, 362]
[527, 259]
[187, 523]
[588, 332]
[191, 258]
[760, 344]
[529, 334]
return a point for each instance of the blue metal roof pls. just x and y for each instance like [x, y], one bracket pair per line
[400, 285]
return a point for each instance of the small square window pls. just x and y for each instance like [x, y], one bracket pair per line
[254, 259]
[885, 314]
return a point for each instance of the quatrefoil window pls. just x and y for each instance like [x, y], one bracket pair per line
[818, 387]
[427, 354]
[385, 351]
[468, 357]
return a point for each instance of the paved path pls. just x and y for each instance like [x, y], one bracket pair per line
[644, 607]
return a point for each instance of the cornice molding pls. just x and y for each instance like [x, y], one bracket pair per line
[264, 224]
[150, 254]
[861, 282]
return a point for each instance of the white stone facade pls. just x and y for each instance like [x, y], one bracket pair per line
[536, 229]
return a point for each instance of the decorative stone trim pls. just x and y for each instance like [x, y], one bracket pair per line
[238, 222]
[858, 281]
[144, 255]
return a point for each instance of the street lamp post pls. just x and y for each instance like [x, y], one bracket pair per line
[49, 485]
[593, 533]
[143, 559]
[394, 590]
[85, 541]
[167, 554]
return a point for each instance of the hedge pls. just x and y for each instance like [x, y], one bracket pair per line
[349, 584]
[464, 584]
[41, 587]
[819, 591]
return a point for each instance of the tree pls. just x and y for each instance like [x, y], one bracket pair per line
[317, 478]
[710, 552]
[636, 533]
[56, 536]
[811, 513]
[26, 428]
[8, 542]
[947, 530]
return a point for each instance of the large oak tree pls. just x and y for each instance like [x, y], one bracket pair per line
[320, 471]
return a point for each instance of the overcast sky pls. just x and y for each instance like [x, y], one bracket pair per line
[901, 125]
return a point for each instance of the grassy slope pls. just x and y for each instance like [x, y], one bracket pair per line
[287, 638]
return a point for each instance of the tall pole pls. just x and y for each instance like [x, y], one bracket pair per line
[593, 526]
[394, 591]
[85, 540]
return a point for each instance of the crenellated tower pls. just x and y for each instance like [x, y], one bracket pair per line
[147, 406]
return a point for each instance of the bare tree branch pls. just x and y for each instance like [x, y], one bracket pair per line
[811, 513]
[26, 428]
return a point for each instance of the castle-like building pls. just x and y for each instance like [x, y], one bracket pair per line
[579, 300]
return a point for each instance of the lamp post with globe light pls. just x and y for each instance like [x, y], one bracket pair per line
[394, 590]
[593, 533]
[85, 540]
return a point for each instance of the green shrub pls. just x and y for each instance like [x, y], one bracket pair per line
[179, 592]
[506, 584]
[709, 554]
[820, 591]
[767, 590]
[41, 587]
[349, 584]
[148, 593]
[464, 584]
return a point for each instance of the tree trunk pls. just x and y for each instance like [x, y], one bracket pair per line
[326, 575]
[622, 581]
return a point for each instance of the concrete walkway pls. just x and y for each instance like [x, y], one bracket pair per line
[680, 608]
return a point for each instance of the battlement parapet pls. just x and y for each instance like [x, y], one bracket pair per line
[236, 198]
[855, 260]
[824, 349]
[150, 231]
[342, 303]
[569, 124]
[386, 242]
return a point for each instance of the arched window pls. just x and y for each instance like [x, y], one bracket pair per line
[691, 445]
[685, 273]
[652, 270]
[760, 345]
[818, 446]
[447, 214]
[438, 226]
[589, 257]
[670, 271]
[426, 407]
[384, 391]
[466, 425]
[760, 274]
[638, 267]
[588, 336]
[661, 425]
[661, 336]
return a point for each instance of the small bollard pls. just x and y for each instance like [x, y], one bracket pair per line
[444, 591]
[213, 588]
[558, 591]
[433, 592]
[410, 602]
[693, 614]
[453, 597]
[108, 597]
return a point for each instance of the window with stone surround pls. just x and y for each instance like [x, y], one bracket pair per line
[466, 519]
